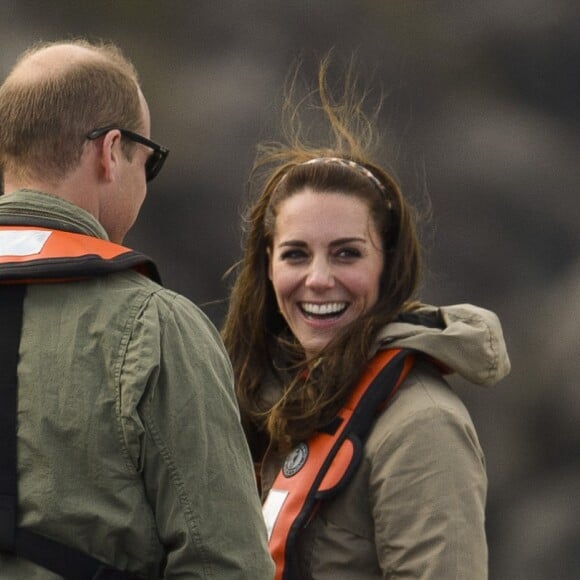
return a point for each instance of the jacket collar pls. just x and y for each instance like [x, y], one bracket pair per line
[34, 208]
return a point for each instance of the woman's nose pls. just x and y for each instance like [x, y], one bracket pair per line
[320, 275]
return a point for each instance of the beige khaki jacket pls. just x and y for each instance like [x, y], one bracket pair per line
[416, 506]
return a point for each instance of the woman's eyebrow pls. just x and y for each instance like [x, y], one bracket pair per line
[337, 242]
[293, 243]
[350, 240]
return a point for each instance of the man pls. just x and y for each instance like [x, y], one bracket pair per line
[123, 451]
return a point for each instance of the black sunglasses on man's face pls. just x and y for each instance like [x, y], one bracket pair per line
[154, 162]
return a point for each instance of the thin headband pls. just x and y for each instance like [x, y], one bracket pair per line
[352, 165]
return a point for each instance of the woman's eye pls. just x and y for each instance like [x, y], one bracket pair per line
[292, 254]
[348, 253]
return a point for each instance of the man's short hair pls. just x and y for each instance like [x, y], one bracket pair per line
[44, 120]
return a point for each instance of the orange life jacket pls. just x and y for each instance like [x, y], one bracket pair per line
[31, 254]
[317, 470]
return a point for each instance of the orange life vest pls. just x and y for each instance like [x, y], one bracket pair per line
[318, 469]
[31, 254]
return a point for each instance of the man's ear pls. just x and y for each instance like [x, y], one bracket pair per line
[110, 155]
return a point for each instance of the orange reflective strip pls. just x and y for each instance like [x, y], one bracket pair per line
[44, 255]
[299, 485]
[67, 244]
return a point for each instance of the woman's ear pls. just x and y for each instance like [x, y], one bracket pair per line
[269, 253]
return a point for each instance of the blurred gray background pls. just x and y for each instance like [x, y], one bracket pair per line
[482, 116]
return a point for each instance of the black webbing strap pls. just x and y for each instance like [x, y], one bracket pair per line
[11, 300]
[60, 559]
[70, 563]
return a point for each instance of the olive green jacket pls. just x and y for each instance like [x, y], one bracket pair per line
[129, 441]
[416, 505]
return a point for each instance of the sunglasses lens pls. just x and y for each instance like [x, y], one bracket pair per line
[153, 165]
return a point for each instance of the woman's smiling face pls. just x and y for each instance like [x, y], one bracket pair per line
[325, 264]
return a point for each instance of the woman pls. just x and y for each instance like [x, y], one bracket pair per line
[328, 280]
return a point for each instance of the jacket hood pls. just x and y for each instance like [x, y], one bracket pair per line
[465, 338]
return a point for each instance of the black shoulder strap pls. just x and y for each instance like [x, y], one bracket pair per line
[60, 559]
[11, 299]
[371, 404]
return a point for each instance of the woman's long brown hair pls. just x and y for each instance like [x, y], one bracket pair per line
[257, 338]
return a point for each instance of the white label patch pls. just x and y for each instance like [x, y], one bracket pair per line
[271, 508]
[22, 242]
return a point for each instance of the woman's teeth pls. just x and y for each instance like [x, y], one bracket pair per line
[330, 308]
